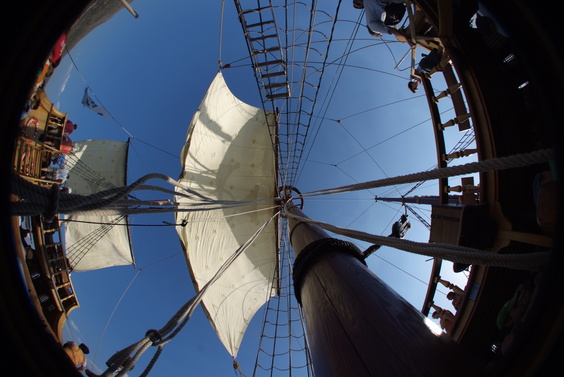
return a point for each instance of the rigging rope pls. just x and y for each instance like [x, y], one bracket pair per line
[453, 253]
[221, 32]
[110, 115]
[390, 137]
[499, 163]
[278, 349]
[158, 338]
[114, 312]
[329, 96]
[36, 200]
[78, 250]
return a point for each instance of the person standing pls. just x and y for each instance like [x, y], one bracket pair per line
[76, 354]
[455, 298]
[446, 319]
[424, 68]
[69, 127]
[382, 15]
[66, 145]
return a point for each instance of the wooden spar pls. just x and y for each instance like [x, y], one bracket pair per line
[420, 199]
[129, 8]
[358, 326]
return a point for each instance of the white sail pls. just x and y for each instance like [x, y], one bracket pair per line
[229, 156]
[97, 165]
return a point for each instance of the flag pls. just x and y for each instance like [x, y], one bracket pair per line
[89, 102]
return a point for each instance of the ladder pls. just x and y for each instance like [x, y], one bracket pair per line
[263, 41]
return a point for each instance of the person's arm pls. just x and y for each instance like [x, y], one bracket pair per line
[376, 28]
[400, 36]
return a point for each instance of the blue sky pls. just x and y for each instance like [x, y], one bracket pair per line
[151, 73]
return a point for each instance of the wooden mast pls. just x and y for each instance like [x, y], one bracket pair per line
[357, 325]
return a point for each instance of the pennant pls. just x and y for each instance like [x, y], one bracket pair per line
[89, 102]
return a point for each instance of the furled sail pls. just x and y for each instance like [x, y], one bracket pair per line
[95, 242]
[229, 155]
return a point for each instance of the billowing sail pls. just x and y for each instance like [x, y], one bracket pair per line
[94, 242]
[229, 156]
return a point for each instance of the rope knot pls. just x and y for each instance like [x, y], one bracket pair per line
[154, 336]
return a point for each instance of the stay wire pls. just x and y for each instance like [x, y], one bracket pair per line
[368, 154]
[112, 117]
[338, 74]
[113, 313]
[221, 33]
[94, 94]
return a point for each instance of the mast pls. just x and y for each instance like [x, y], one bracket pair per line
[358, 326]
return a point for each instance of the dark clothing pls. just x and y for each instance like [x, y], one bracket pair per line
[429, 61]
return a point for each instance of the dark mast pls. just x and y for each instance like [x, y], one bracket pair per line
[358, 326]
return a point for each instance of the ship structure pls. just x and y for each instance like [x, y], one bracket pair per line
[507, 319]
